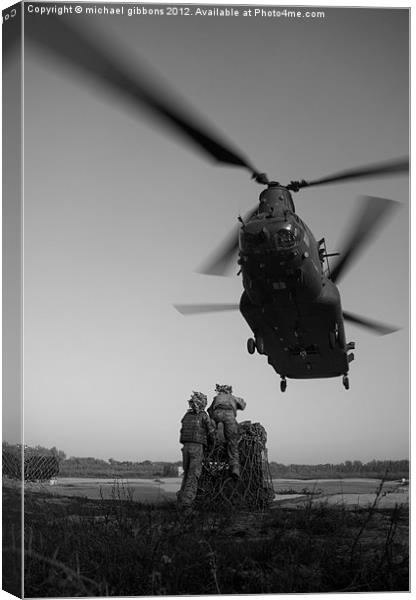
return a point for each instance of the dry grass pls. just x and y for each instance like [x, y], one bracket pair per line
[119, 547]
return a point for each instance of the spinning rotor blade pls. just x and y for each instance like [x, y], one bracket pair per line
[374, 326]
[386, 168]
[196, 309]
[368, 220]
[220, 261]
[73, 47]
[224, 256]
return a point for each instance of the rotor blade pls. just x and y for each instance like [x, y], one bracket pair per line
[76, 50]
[221, 259]
[386, 168]
[374, 326]
[367, 222]
[196, 309]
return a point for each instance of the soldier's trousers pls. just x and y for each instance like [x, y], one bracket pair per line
[227, 418]
[192, 456]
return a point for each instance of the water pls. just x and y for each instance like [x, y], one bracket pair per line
[348, 491]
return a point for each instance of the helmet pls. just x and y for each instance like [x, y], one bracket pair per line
[199, 400]
[225, 389]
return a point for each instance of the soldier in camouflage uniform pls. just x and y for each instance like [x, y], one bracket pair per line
[224, 410]
[196, 433]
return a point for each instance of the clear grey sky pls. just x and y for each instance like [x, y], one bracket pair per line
[117, 215]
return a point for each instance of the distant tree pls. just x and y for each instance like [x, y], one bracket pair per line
[60, 454]
[170, 470]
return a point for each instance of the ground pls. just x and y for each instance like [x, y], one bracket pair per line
[84, 547]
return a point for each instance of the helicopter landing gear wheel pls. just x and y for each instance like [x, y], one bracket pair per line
[283, 384]
[260, 345]
[346, 382]
[251, 346]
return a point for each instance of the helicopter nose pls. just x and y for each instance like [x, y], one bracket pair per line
[276, 235]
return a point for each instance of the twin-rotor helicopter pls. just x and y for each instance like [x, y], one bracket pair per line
[290, 300]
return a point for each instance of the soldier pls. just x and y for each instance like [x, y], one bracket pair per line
[224, 410]
[196, 433]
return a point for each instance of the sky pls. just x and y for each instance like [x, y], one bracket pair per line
[118, 214]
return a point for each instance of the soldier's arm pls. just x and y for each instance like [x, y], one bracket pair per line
[241, 404]
[210, 409]
[211, 429]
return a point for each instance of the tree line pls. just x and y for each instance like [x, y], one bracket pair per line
[375, 468]
[95, 467]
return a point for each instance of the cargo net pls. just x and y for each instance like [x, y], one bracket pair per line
[37, 467]
[218, 490]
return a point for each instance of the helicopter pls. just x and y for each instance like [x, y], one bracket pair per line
[290, 301]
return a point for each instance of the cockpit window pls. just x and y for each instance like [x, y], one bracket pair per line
[286, 237]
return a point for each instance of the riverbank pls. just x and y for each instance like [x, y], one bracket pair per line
[347, 492]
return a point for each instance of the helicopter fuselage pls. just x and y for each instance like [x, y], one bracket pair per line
[289, 302]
